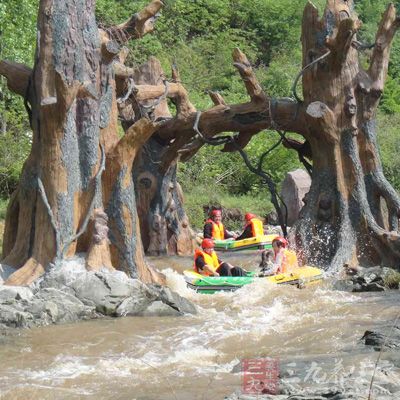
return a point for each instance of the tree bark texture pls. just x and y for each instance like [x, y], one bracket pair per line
[342, 221]
[71, 97]
[76, 191]
[164, 224]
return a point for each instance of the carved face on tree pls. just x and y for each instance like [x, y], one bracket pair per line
[351, 103]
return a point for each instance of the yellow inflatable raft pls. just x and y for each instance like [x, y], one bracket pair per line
[254, 243]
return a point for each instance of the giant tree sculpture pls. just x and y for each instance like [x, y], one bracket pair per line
[343, 220]
[76, 190]
[71, 98]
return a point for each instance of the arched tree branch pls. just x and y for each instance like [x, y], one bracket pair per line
[17, 76]
[267, 179]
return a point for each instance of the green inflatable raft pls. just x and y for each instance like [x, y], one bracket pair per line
[208, 284]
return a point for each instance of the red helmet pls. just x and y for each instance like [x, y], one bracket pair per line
[207, 244]
[249, 216]
[216, 213]
[281, 240]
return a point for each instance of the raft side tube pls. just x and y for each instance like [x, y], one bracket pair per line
[204, 284]
[258, 242]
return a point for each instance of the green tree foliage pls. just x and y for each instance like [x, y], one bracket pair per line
[199, 35]
[17, 43]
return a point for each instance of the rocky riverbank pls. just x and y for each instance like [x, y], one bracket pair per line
[374, 279]
[70, 294]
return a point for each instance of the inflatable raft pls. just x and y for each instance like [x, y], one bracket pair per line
[254, 243]
[208, 284]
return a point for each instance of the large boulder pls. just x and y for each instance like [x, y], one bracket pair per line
[174, 300]
[68, 293]
[14, 316]
[295, 186]
[113, 292]
[155, 301]
[106, 291]
[61, 307]
[46, 307]
[8, 294]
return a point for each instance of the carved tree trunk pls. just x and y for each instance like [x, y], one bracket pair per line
[78, 174]
[343, 221]
[164, 224]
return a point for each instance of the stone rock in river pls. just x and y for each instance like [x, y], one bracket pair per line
[174, 300]
[12, 316]
[368, 287]
[63, 307]
[137, 303]
[295, 186]
[11, 293]
[372, 279]
[160, 309]
[69, 293]
[104, 291]
[344, 285]
[386, 337]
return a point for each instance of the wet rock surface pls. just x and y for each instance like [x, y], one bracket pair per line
[295, 186]
[375, 279]
[387, 337]
[66, 295]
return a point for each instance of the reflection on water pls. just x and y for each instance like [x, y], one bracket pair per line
[192, 357]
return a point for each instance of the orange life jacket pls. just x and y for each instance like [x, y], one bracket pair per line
[289, 261]
[210, 260]
[257, 228]
[217, 230]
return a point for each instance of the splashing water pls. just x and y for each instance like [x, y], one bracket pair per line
[192, 357]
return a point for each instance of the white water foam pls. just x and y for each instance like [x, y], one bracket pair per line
[177, 283]
[63, 368]
[201, 343]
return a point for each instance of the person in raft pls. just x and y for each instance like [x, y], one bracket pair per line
[253, 227]
[214, 229]
[280, 260]
[207, 263]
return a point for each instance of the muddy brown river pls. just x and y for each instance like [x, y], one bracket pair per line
[313, 333]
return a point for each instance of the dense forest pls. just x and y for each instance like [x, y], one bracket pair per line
[198, 36]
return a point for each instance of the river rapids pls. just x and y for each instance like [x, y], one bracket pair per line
[314, 334]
